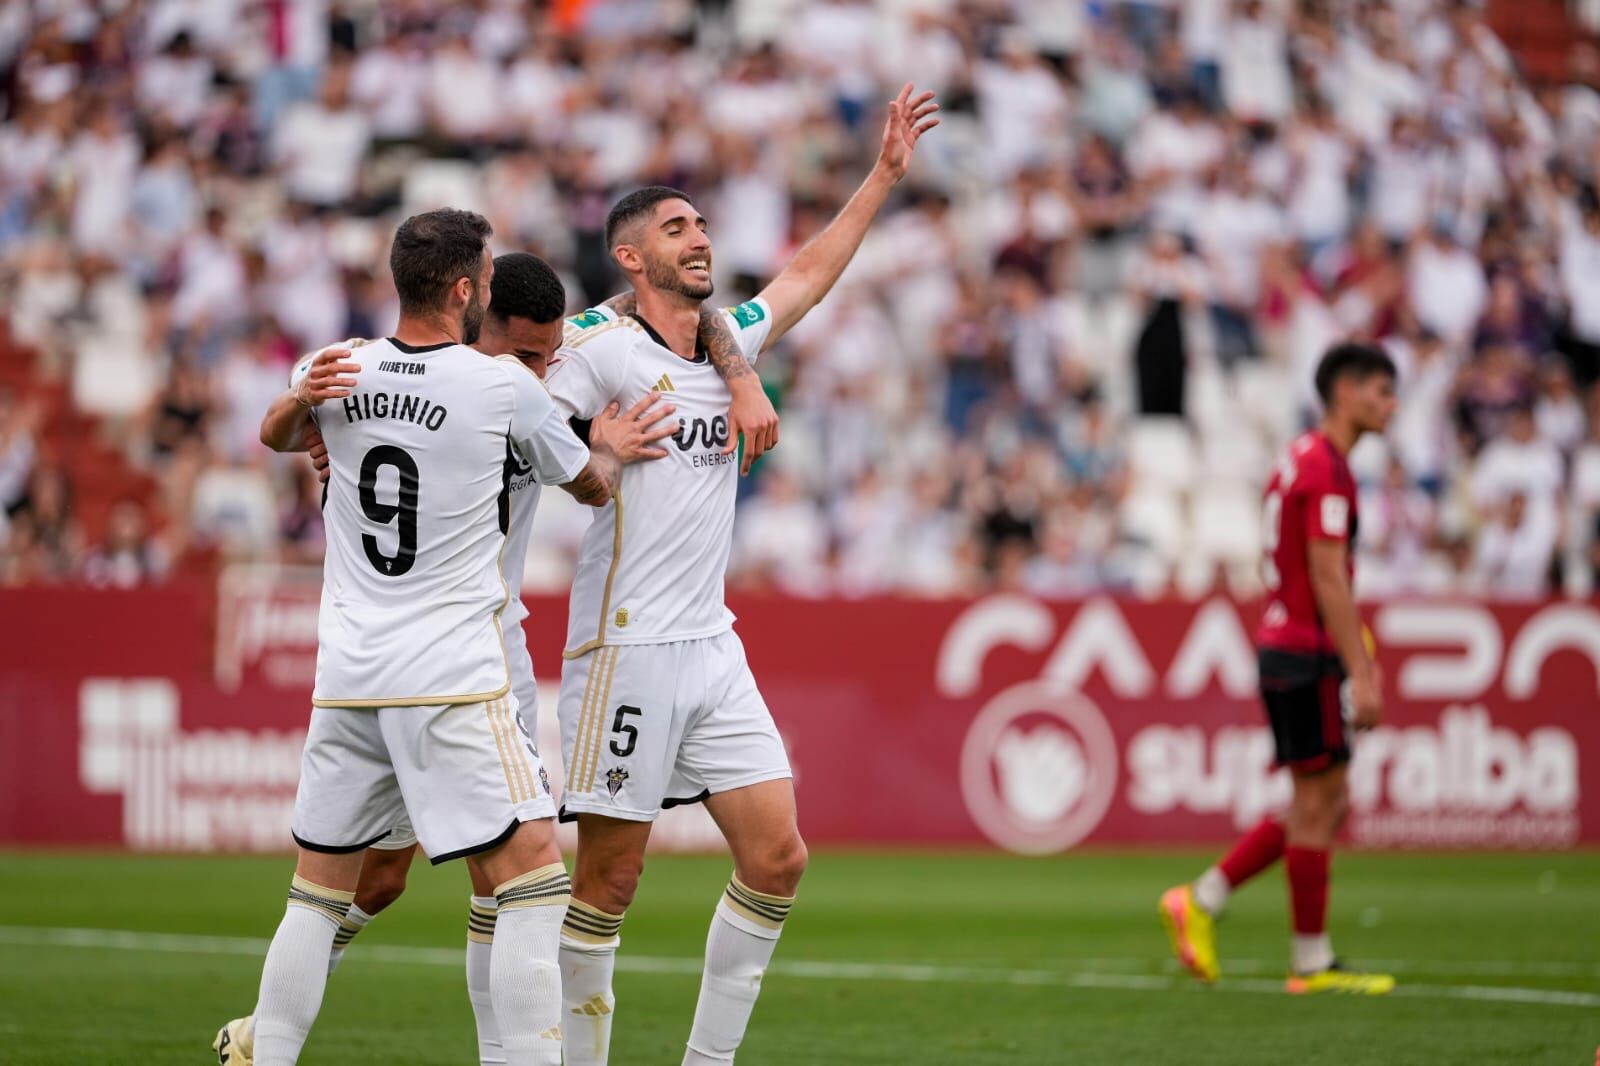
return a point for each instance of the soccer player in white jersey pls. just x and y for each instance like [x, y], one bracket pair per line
[526, 304]
[413, 712]
[658, 706]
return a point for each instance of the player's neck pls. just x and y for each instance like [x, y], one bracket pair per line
[674, 316]
[422, 330]
[1341, 433]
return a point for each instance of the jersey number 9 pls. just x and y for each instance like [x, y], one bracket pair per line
[404, 508]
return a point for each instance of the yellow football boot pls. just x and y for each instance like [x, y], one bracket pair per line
[1192, 932]
[1339, 981]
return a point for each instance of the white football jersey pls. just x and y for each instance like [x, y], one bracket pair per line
[422, 456]
[652, 563]
[524, 490]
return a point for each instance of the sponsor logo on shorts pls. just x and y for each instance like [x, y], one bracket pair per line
[614, 779]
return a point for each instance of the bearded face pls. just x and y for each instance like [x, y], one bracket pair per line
[472, 317]
[686, 273]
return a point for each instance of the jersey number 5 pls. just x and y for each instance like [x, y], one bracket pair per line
[624, 728]
[404, 508]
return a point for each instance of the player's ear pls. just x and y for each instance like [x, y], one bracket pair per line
[628, 258]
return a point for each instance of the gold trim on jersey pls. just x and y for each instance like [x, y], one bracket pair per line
[499, 630]
[594, 331]
[420, 701]
[611, 576]
[616, 537]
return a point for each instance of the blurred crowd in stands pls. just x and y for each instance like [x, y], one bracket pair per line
[1063, 361]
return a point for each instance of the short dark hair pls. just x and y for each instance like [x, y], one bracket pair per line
[434, 250]
[525, 286]
[1351, 360]
[636, 205]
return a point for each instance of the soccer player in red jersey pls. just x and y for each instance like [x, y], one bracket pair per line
[1318, 679]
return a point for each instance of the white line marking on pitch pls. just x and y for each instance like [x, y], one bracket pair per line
[189, 944]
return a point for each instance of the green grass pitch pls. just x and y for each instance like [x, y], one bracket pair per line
[900, 958]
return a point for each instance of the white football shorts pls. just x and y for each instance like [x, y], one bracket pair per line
[456, 778]
[526, 690]
[649, 726]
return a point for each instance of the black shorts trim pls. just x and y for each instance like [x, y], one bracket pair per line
[338, 849]
[668, 804]
[477, 849]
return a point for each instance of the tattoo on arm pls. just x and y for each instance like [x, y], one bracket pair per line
[722, 346]
[597, 483]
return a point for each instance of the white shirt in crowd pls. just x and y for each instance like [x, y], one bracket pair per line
[1255, 70]
[1447, 289]
[385, 83]
[1580, 281]
[320, 151]
[1532, 469]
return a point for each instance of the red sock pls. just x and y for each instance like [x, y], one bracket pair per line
[1308, 888]
[1254, 852]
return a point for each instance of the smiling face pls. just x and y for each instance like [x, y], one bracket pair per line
[670, 251]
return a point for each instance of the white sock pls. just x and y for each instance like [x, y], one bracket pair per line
[296, 971]
[480, 944]
[354, 921]
[744, 933]
[589, 942]
[524, 975]
[1311, 953]
[1211, 891]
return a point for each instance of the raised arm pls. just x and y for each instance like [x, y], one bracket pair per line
[817, 266]
[287, 426]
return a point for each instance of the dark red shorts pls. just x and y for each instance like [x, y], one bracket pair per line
[1301, 694]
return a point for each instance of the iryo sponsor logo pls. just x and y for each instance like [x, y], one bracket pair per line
[184, 790]
[1038, 768]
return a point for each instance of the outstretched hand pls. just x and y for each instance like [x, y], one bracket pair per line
[909, 118]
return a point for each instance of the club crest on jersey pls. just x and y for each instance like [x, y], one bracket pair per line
[614, 779]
